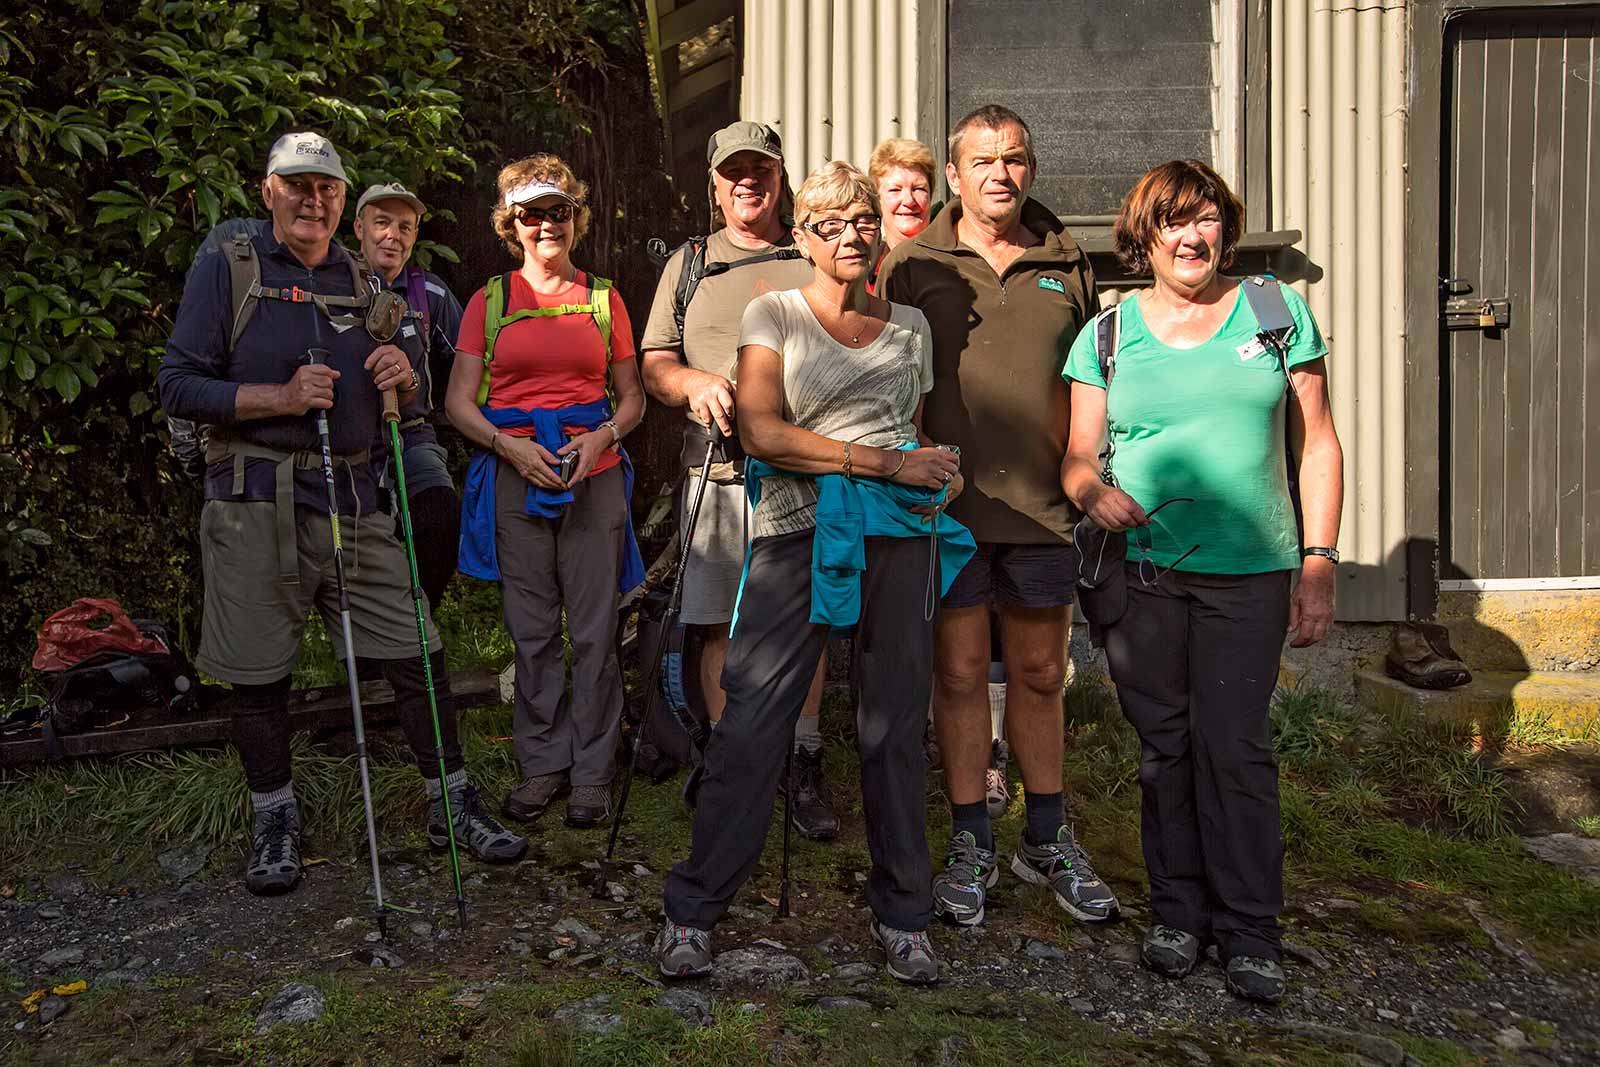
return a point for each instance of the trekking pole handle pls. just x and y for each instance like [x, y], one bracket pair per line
[391, 405]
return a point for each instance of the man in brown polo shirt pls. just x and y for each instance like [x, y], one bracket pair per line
[1005, 289]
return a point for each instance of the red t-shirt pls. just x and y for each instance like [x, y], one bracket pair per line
[554, 361]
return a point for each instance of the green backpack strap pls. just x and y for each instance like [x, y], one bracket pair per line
[495, 319]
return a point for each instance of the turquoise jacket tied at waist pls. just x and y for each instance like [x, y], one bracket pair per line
[477, 556]
[848, 512]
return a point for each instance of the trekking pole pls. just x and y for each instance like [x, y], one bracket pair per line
[319, 356]
[653, 675]
[788, 806]
[391, 416]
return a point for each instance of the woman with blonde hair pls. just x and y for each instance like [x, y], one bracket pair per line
[545, 386]
[901, 172]
[846, 492]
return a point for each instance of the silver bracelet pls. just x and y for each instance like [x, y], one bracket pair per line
[616, 434]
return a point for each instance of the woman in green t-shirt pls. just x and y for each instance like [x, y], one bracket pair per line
[1197, 476]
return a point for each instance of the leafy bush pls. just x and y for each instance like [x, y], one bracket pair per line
[130, 128]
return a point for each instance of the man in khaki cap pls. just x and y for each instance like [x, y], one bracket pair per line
[265, 536]
[690, 348]
[388, 222]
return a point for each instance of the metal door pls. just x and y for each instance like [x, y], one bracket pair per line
[1520, 298]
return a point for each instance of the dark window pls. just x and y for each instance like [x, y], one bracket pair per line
[1108, 89]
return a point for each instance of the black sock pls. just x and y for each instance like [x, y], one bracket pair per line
[1044, 817]
[973, 817]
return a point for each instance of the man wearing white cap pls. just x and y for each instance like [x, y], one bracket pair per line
[691, 344]
[240, 367]
[388, 221]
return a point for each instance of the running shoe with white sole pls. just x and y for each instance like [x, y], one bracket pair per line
[960, 890]
[1063, 868]
[683, 951]
[997, 780]
[909, 954]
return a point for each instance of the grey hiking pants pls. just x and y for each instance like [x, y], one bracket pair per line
[1195, 661]
[770, 665]
[548, 566]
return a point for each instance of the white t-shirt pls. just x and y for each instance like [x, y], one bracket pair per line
[866, 396]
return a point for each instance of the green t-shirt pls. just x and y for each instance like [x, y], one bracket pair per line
[1204, 422]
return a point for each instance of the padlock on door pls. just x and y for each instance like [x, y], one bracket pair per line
[1486, 316]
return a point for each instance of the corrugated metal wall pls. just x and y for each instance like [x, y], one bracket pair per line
[1338, 130]
[835, 77]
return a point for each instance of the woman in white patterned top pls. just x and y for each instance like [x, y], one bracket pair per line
[831, 383]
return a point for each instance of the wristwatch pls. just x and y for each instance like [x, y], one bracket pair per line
[1329, 554]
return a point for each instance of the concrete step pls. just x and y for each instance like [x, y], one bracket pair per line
[1566, 702]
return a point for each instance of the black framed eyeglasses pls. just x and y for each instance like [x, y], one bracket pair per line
[532, 216]
[1144, 544]
[832, 229]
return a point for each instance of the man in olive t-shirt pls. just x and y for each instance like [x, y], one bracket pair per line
[1005, 289]
[693, 367]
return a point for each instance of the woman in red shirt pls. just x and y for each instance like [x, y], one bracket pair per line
[545, 384]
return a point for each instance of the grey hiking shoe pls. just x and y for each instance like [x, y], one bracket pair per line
[683, 951]
[274, 851]
[1256, 978]
[589, 806]
[527, 801]
[997, 780]
[959, 891]
[476, 830]
[1062, 867]
[811, 812]
[1169, 951]
[909, 954]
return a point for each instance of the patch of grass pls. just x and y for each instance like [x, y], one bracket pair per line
[1541, 1035]
[1434, 1052]
[543, 1045]
[1312, 729]
[1587, 825]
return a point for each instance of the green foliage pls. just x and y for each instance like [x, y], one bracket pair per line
[130, 128]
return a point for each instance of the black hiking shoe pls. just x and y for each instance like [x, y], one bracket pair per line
[811, 811]
[476, 830]
[589, 806]
[1256, 978]
[1168, 951]
[275, 851]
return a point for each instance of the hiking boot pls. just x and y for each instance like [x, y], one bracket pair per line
[527, 801]
[909, 954]
[1168, 951]
[683, 951]
[1062, 867]
[589, 806]
[274, 851]
[997, 781]
[1256, 978]
[1421, 656]
[959, 891]
[811, 811]
[476, 830]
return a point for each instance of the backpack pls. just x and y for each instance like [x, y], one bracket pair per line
[697, 270]
[1274, 324]
[497, 292]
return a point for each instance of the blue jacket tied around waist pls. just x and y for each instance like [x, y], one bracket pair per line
[848, 512]
[477, 558]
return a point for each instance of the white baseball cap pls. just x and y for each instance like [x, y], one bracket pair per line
[528, 192]
[305, 153]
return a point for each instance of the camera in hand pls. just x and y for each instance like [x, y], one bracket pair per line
[569, 463]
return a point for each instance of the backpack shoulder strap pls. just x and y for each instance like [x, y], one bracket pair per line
[1264, 294]
[244, 278]
[1107, 328]
[495, 295]
[600, 300]
[417, 298]
[694, 270]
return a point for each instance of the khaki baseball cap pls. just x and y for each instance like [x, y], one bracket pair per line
[392, 191]
[743, 137]
[305, 153]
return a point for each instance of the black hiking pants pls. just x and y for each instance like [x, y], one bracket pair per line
[1195, 661]
[770, 665]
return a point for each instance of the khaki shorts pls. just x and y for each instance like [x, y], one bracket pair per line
[716, 559]
[252, 625]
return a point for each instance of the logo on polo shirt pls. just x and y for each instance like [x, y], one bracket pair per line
[1053, 283]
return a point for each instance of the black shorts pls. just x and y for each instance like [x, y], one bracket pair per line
[1024, 576]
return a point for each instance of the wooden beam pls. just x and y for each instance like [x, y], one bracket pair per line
[309, 709]
[692, 19]
[707, 79]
